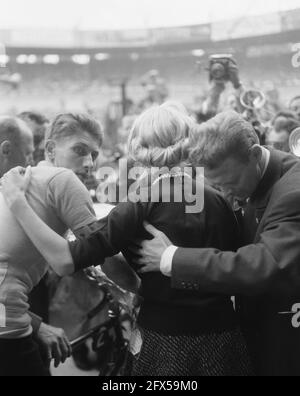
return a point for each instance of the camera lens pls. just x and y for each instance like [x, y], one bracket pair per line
[218, 71]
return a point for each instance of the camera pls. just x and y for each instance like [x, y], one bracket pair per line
[219, 67]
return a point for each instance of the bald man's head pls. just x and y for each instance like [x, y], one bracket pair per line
[16, 143]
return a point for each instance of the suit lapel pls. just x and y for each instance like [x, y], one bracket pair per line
[258, 203]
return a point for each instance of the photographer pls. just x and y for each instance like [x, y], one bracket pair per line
[222, 69]
[155, 90]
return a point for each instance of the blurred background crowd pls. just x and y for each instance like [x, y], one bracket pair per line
[115, 75]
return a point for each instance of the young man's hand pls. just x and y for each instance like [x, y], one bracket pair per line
[55, 342]
[14, 184]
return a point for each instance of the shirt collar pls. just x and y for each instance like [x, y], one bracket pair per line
[266, 158]
[270, 176]
[45, 163]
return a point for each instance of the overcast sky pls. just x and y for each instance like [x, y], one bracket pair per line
[120, 14]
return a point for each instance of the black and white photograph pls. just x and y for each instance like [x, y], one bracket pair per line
[149, 191]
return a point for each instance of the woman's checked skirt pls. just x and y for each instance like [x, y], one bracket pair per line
[223, 354]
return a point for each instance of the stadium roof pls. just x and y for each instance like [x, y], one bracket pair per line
[238, 28]
[125, 14]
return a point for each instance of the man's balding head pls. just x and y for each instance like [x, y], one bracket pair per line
[16, 143]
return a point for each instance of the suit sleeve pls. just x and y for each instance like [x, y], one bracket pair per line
[272, 264]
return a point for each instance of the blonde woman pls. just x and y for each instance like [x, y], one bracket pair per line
[183, 333]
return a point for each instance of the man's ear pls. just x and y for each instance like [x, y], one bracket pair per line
[50, 150]
[256, 152]
[6, 148]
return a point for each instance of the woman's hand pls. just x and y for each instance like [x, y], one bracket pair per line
[14, 184]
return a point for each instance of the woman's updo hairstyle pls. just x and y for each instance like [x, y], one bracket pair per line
[160, 136]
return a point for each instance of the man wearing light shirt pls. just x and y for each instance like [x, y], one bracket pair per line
[16, 149]
[265, 271]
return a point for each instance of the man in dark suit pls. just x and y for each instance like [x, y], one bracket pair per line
[265, 271]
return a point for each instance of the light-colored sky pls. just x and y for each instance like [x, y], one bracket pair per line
[120, 14]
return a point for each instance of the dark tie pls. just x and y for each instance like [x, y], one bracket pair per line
[250, 223]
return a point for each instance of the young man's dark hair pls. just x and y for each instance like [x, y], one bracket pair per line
[65, 125]
[33, 116]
